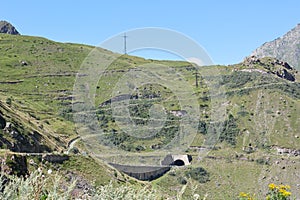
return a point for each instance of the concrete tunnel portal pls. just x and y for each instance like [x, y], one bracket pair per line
[148, 173]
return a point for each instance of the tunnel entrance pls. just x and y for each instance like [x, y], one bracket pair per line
[176, 160]
[178, 163]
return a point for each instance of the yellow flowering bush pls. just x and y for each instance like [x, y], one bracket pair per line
[276, 192]
[246, 196]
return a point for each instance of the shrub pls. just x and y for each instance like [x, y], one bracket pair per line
[33, 187]
[199, 174]
[202, 127]
[9, 101]
[262, 161]
[278, 192]
[230, 131]
[181, 180]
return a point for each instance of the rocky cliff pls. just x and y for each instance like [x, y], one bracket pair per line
[286, 48]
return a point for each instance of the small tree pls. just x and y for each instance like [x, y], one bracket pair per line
[9, 101]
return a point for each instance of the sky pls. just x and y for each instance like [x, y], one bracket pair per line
[228, 30]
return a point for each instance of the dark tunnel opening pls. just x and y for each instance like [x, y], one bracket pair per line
[178, 163]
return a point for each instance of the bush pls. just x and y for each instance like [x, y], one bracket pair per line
[230, 131]
[9, 101]
[199, 174]
[66, 113]
[262, 161]
[33, 187]
[181, 180]
[278, 192]
[202, 127]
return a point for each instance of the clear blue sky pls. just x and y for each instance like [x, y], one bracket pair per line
[228, 30]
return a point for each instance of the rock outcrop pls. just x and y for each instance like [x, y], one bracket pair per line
[283, 73]
[6, 27]
[2, 121]
[17, 139]
[271, 65]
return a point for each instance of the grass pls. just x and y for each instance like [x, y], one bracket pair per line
[97, 173]
[229, 177]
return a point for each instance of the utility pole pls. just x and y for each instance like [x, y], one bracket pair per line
[197, 74]
[125, 47]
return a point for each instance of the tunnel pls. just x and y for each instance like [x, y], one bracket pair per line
[178, 162]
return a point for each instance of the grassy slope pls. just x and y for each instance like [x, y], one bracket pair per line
[49, 74]
[264, 106]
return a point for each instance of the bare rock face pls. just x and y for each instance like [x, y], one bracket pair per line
[6, 27]
[286, 48]
[285, 74]
[271, 65]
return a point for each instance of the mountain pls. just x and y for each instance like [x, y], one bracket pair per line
[286, 48]
[247, 117]
[6, 27]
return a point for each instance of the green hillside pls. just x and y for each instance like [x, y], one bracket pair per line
[242, 112]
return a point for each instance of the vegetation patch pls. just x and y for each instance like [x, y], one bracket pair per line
[199, 174]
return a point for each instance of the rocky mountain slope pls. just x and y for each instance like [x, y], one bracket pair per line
[6, 27]
[286, 48]
[259, 126]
